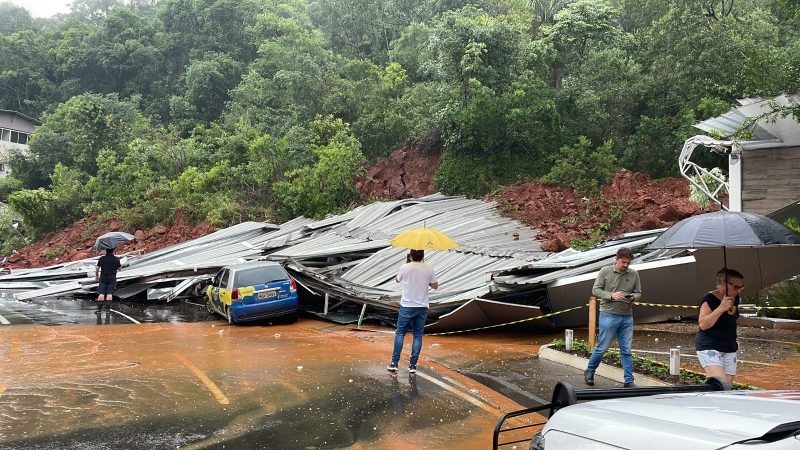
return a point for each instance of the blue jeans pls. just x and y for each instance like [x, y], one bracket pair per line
[415, 319]
[611, 326]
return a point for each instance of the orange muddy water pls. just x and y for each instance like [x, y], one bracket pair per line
[312, 384]
[307, 385]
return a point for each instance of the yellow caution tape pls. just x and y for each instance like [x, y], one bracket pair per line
[661, 305]
[508, 323]
[769, 307]
[757, 308]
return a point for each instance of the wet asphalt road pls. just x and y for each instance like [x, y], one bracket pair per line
[181, 378]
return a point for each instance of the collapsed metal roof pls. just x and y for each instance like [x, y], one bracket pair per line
[347, 256]
[346, 263]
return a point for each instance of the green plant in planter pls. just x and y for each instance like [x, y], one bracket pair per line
[644, 365]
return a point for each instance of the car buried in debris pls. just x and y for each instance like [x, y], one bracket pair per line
[252, 291]
[709, 416]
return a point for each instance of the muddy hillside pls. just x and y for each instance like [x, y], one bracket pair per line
[631, 202]
[75, 243]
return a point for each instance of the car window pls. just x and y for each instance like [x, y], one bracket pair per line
[259, 275]
[225, 279]
[218, 278]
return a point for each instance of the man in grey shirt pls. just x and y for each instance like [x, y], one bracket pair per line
[616, 287]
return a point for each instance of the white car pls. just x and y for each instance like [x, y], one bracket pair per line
[705, 420]
[645, 418]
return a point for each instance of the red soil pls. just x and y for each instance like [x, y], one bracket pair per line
[75, 243]
[631, 202]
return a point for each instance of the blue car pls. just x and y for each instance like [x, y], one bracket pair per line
[252, 291]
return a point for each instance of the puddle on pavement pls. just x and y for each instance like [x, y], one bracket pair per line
[54, 311]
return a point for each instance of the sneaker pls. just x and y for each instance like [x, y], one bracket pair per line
[412, 369]
[629, 385]
[588, 377]
[392, 367]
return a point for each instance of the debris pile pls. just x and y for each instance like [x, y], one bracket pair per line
[75, 243]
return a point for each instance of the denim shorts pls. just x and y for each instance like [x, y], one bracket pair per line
[716, 358]
[107, 288]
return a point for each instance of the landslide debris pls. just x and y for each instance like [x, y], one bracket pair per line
[75, 242]
[631, 202]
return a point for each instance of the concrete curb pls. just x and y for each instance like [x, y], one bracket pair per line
[605, 371]
[769, 322]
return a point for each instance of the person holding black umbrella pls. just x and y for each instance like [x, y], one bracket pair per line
[716, 341]
[105, 273]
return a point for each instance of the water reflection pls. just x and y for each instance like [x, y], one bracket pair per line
[100, 316]
[404, 399]
[80, 311]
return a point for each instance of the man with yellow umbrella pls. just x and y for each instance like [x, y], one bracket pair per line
[417, 277]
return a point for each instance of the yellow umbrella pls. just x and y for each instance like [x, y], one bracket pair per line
[424, 239]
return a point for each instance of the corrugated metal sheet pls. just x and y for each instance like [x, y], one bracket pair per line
[768, 131]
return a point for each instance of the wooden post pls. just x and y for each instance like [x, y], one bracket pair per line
[592, 322]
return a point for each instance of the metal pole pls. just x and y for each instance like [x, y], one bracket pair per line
[568, 339]
[325, 310]
[592, 322]
[361, 317]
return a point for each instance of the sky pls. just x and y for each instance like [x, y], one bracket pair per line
[43, 8]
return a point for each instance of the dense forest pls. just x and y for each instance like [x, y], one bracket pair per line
[229, 110]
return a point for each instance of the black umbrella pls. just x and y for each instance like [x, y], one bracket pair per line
[726, 229]
[112, 240]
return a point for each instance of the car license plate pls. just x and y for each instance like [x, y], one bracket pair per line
[267, 294]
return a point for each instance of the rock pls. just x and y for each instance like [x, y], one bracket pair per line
[157, 230]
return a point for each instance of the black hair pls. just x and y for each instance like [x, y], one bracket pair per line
[109, 251]
[417, 255]
[624, 253]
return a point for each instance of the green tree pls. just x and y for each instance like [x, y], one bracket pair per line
[24, 82]
[12, 231]
[75, 132]
[44, 210]
[208, 82]
[582, 168]
[288, 82]
[326, 186]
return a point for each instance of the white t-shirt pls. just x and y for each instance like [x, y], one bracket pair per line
[415, 276]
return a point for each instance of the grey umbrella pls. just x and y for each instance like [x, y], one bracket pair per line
[729, 229]
[112, 240]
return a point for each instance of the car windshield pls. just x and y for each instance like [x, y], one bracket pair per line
[259, 275]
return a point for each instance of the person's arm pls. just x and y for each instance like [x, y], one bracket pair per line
[97, 271]
[434, 285]
[399, 277]
[637, 289]
[708, 317]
